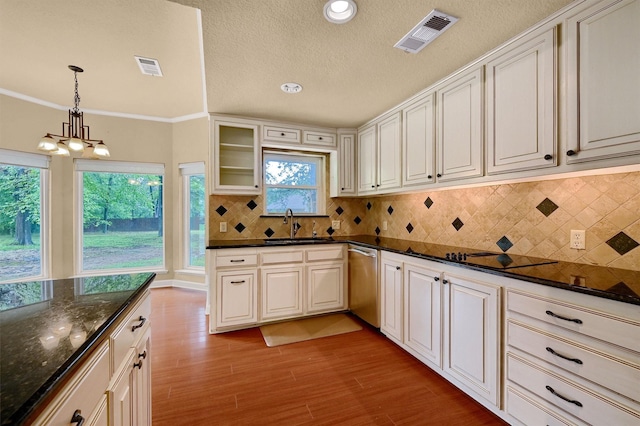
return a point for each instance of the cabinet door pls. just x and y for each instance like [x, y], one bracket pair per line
[367, 180]
[142, 381]
[237, 297]
[603, 81]
[471, 335]
[347, 167]
[281, 290]
[389, 153]
[391, 298]
[422, 312]
[419, 138]
[325, 291]
[121, 393]
[236, 158]
[459, 127]
[521, 99]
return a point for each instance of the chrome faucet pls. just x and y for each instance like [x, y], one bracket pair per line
[293, 225]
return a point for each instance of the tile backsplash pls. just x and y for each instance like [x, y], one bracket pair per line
[532, 218]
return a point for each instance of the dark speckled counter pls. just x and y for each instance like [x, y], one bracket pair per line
[47, 328]
[611, 283]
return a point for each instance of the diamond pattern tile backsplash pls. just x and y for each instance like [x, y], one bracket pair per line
[532, 218]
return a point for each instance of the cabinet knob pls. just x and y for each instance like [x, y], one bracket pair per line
[445, 281]
[256, 186]
[397, 268]
[378, 185]
[439, 175]
[77, 418]
[281, 134]
[373, 186]
[320, 138]
[429, 177]
[138, 364]
[548, 157]
[436, 279]
[343, 189]
[143, 355]
[571, 153]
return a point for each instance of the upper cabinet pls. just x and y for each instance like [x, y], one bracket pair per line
[418, 142]
[379, 156]
[521, 100]
[347, 164]
[459, 127]
[236, 157]
[603, 81]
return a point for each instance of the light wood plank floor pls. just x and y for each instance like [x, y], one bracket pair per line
[359, 378]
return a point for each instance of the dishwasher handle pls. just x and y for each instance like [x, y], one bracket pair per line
[364, 253]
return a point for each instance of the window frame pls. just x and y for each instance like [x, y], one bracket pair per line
[42, 162]
[81, 166]
[186, 171]
[321, 199]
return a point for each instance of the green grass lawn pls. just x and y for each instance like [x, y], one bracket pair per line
[7, 244]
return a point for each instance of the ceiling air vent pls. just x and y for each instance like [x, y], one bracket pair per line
[149, 66]
[434, 24]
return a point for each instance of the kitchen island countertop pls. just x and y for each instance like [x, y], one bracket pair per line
[611, 283]
[47, 329]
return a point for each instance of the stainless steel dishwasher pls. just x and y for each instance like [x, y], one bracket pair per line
[364, 288]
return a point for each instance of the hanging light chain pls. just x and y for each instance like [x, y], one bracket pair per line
[76, 98]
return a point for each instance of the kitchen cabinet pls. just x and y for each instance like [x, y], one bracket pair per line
[471, 334]
[142, 386]
[281, 286]
[379, 156]
[521, 100]
[280, 134]
[325, 284]
[562, 356]
[459, 127]
[391, 300]
[603, 81]
[418, 142]
[237, 168]
[346, 172]
[319, 138]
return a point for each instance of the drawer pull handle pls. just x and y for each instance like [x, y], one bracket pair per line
[77, 418]
[143, 355]
[552, 352]
[142, 321]
[236, 260]
[576, 320]
[138, 364]
[572, 401]
[237, 282]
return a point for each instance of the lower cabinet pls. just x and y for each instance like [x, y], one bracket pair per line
[449, 321]
[238, 295]
[325, 287]
[281, 292]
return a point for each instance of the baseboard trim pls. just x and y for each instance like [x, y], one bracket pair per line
[178, 284]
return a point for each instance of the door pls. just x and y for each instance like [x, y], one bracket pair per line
[422, 315]
[471, 335]
[281, 292]
[236, 158]
[419, 139]
[367, 162]
[389, 153]
[391, 298]
[121, 394]
[347, 168]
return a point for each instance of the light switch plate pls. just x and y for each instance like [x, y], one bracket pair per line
[335, 224]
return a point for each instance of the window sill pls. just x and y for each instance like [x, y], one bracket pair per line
[194, 272]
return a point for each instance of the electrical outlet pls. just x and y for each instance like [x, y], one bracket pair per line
[335, 224]
[223, 226]
[577, 239]
[384, 225]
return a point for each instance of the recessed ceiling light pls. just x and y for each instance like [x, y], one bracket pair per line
[340, 11]
[291, 88]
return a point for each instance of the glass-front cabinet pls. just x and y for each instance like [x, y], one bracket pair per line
[236, 157]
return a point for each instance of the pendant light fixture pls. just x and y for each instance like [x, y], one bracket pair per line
[74, 133]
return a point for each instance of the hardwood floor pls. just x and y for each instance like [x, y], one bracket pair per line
[359, 378]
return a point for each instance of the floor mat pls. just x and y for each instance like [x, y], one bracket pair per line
[300, 330]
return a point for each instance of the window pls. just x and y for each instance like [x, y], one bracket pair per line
[23, 222]
[293, 181]
[120, 226]
[193, 202]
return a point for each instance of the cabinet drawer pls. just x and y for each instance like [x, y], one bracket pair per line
[130, 331]
[83, 392]
[581, 402]
[606, 370]
[329, 253]
[239, 260]
[275, 257]
[319, 138]
[530, 412]
[576, 318]
[280, 134]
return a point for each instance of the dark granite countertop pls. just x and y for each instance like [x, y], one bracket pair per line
[47, 328]
[610, 283]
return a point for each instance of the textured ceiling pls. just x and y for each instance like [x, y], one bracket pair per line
[350, 72]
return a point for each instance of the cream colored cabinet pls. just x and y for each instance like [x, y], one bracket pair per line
[459, 127]
[236, 157]
[347, 164]
[281, 286]
[418, 142]
[379, 156]
[121, 392]
[575, 357]
[423, 311]
[521, 106]
[142, 386]
[280, 134]
[319, 139]
[603, 81]
[326, 278]
[472, 334]
[391, 296]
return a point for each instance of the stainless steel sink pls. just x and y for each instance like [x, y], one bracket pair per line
[290, 241]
